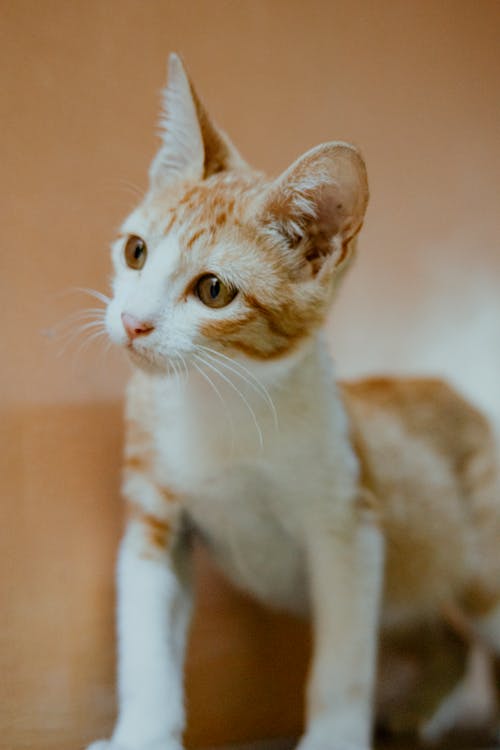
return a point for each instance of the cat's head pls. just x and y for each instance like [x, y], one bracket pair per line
[219, 256]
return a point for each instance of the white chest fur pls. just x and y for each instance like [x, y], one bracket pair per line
[249, 472]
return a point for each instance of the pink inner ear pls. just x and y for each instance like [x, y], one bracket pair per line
[330, 211]
[326, 222]
[318, 205]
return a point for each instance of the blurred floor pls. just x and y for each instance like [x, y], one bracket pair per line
[289, 745]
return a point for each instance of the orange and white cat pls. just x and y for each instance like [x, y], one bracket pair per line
[366, 505]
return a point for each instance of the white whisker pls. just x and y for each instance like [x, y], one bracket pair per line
[86, 342]
[92, 293]
[221, 398]
[132, 188]
[176, 372]
[78, 315]
[186, 372]
[73, 334]
[65, 327]
[246, 375]
[240, 394]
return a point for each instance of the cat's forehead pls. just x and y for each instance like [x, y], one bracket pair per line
[202, 208]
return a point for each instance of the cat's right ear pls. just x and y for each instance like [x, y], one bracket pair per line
[192, 146]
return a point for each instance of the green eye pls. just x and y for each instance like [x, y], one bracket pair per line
[213, 292]
[135, 252]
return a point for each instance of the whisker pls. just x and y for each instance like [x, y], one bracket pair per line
[234, 387]
[170, 369]
[252, 380]
[70, 325]
[57, 329]
[176, 372]
[73, 334]
[239, 365]
[91, 292]
[122, 185]
[81, 328]
[132, 188]
[80, 313]
[221, 399]
[186, 372]
[85, 343]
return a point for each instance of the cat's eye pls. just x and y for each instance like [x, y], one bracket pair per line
[213, 292]
[135, 252]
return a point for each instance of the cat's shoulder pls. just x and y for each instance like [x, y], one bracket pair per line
[384, 390]
[424, 405]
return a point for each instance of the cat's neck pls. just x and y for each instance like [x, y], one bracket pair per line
[218, 419]
[258, 402]
[213, 371]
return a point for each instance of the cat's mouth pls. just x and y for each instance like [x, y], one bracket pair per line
[144, 358]
[148, 360]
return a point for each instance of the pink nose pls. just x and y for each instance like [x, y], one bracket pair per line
[135, 327]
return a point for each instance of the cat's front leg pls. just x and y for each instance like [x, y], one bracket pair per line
[346, 570]
[154, 603]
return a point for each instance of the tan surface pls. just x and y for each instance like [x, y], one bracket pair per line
[414, 83]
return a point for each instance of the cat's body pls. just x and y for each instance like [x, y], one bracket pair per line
[299, 486]
[247, 503]
[247, 500]
[421, 451]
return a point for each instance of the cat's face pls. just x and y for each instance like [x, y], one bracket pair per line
[218, 257]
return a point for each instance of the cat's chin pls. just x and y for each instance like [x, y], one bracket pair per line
[146, 363]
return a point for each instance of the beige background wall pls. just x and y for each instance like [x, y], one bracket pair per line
[415, 83]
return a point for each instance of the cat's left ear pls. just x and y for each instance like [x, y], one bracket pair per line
[317, 207]
[192, 147]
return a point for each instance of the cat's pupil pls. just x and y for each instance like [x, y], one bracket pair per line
[138, 251]
[215, 288]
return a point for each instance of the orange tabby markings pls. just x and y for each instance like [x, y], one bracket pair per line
[137, 463]
[168, 495]
[157, 531]
[190, 242]
[222, 329]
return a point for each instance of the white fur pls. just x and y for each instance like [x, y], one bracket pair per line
[472, 704]
[346, 579]
[153, 610]
[182, 153]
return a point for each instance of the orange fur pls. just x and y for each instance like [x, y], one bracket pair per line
[429, 458]
[157, 531]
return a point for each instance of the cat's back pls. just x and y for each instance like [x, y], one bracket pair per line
[427, 408]
[429, 456]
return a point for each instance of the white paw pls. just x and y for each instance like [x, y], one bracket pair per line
[462, 712]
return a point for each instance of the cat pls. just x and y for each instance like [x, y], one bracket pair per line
[366, 505]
